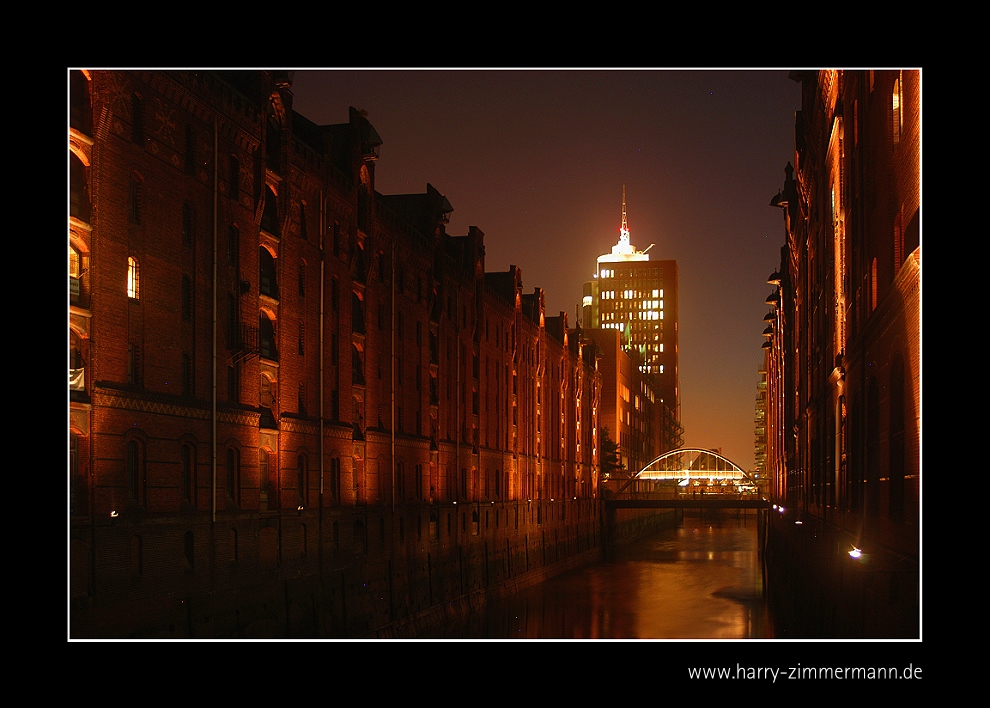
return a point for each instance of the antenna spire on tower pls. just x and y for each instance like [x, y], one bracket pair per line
[624, 229]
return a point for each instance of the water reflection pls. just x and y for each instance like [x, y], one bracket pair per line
[699, 581]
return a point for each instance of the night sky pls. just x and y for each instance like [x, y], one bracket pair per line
[537, 159]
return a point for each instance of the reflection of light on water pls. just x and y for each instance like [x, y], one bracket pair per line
[677, 584]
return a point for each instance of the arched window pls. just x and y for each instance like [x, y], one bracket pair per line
[357, 314]
[135, 472]
[80, 105]
[269, 274]
[269, 215]
[267, 338]
[79, 205]
[133, 278]
[268, 401]
[357, 366]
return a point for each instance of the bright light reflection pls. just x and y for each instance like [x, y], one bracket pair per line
[855, 552]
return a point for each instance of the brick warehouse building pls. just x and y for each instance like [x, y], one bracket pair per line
[843, 356]
[298, 407]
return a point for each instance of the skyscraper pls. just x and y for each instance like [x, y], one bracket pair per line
[638, 297]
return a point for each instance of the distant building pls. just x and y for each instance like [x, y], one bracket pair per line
[760, 422]
[630, 402]
[637, 298]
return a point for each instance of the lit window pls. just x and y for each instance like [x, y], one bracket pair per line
[133, 279]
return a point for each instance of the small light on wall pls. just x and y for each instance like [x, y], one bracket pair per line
[855, 552]
[113, 514]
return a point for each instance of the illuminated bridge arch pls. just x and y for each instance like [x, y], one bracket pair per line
[689, 463]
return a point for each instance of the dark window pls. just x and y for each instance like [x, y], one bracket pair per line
[80, 108]
[188, 546]
[335, 478]
[187, 225]
[79, 205]
[187, 298]
[266, 336]
[357, 314]
[268, 274]
[234, 246]
[269, 217]
[357, 366]
[135, 471]
[137, 119]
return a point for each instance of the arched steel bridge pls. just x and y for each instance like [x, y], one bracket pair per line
[679, 468]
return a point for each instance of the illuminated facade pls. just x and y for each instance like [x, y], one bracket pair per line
[630, 402]
[843, 352]
[283, 381]
[637, 298]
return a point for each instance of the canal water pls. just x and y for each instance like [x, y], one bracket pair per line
[701, 580]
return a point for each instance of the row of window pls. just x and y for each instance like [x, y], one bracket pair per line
[137, 475]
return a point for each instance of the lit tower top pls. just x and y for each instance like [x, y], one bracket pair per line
[623, 250]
